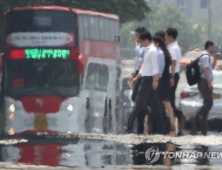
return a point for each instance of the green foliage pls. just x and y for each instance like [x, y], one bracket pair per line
[160, 19]
[127, 10]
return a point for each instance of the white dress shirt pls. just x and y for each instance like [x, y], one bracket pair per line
[175, 53]
[150, 63]
[139, 57]
[161, 61]
[206, 62]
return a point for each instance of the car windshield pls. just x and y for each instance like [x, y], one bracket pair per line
[41, 77]
[192, 55]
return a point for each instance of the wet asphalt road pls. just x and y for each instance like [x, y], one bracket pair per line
[91, 151]
[88, 151]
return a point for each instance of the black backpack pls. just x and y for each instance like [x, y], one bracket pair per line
[193, 71]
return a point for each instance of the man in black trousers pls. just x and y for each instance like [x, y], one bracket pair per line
[175, 52]
[149, 75]
[139, 50]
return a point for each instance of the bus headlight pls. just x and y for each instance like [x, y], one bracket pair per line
[12, 108]
[70, 107]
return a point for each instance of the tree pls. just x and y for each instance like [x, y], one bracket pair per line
[188, 36]
[160, 19]
[127, 10]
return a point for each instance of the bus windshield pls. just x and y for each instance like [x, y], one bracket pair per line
[40, 21]
[42, 77]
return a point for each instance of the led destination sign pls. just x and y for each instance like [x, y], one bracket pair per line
[47, 53]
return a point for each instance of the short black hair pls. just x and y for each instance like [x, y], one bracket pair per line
[143, 29]
[208, 44]
[157, 38]
[145, 35]
[172, 32]
[161, 34]
[138, 29]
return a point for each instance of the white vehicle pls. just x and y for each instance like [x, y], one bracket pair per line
[191, 99]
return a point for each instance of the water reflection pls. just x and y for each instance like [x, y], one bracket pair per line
[98, 153]
[82, 154]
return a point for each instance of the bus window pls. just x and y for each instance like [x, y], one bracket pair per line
[86, 27]
[112, 30]
[102, 29]
[40, 21]
[116, 27]
[66, 76]
[92, 28]
[104, 76]
[97, 77]
[17, 77]
[107, 34]
[81, 28]
[96, 29]
[42, 78]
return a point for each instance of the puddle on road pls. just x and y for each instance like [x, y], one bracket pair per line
[110, 150]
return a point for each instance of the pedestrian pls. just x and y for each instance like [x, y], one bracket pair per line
[164, 60]
[149, 75]
[205, 87]
[175, 52]
[162, 34]
[161, 63]
[139, 50]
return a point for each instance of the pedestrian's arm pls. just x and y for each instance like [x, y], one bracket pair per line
[154, 62]
[134, 80]
[173, 66]
[174, 60]
[141, 52]
[215, 60]
[138, 76]
[156, 78]
[141, 69]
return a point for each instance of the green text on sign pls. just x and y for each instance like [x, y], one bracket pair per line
[47, 53]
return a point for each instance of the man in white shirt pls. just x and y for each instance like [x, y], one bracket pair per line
[149, 74]
[205, 87]
[174, 49]
[139, 50]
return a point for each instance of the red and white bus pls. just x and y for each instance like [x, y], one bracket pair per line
[61, 70]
